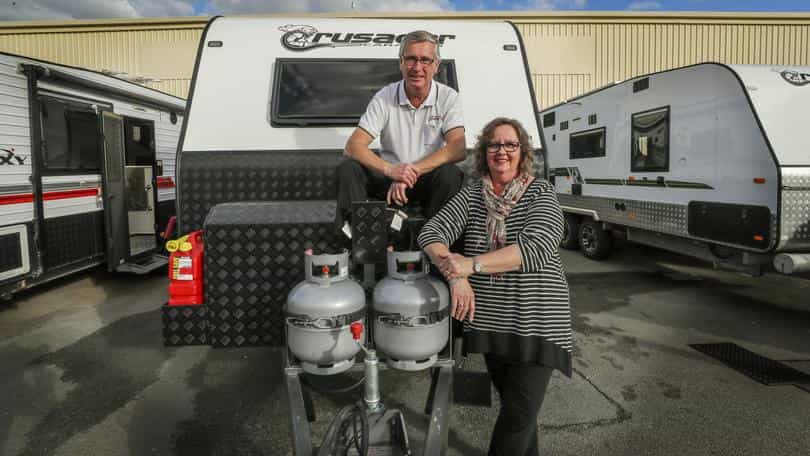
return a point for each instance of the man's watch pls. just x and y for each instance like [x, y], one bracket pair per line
[477, 267]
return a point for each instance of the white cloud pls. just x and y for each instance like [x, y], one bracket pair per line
[648, 5]
[91, 9]
[552, 4]
[321, 6]
[163, 8]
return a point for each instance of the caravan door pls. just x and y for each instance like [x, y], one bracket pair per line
[115, 211]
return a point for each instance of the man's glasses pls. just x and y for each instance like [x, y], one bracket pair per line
[509, 147]
[412, 60]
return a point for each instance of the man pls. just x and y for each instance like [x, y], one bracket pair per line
[421, 130]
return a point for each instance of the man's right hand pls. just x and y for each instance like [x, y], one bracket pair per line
[396, 194]
[403, 172]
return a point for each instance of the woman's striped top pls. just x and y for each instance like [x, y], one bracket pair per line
[523, 316]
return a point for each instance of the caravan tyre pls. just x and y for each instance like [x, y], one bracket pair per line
[595, 242]
[570, 239]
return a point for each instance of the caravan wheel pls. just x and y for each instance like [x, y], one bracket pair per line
[570, 240]
[595, 242]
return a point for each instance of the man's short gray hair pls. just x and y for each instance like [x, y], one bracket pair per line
[419, 36]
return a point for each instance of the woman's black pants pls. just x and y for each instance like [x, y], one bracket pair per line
[521, 388]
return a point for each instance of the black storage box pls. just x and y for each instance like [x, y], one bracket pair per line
[254, 255]
[184, 325]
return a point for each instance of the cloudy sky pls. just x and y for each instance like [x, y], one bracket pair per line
[92, 9]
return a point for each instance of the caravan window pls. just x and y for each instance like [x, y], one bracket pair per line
[587, 144]
[70, 137]
[649, 146]
[139, 142]
[329, 92]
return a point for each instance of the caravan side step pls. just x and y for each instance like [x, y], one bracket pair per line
[155, 262]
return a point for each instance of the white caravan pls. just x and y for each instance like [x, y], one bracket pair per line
[709, 160]
[273, 100]
[86, 171]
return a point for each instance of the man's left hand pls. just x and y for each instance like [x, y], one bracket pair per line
[453, 265]
[396, 193]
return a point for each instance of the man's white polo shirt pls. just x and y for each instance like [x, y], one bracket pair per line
[408, 134]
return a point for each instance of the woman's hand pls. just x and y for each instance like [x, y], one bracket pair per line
[453, 265]
[462, 299]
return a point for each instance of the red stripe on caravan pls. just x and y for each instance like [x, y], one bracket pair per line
[16, 199]
[165, 182]
[49, 196]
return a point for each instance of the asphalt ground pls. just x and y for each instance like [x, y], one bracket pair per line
[83, 372]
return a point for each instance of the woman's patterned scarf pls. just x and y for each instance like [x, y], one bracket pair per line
[499, 207]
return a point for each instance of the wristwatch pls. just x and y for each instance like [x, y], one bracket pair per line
[477, 267]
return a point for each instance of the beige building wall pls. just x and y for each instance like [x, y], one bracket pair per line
[570, 56]
[569, 53]
[158, 53]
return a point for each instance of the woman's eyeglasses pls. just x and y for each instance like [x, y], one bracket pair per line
[412, 60]
[509, 147]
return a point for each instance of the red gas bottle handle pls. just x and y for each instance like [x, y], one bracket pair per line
[357, 330]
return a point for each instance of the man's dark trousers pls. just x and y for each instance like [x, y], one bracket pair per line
[357, 183]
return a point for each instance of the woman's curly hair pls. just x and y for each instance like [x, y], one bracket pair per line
[526, 164]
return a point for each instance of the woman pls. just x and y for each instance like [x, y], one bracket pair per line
[509, 284]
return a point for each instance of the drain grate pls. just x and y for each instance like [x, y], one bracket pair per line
[759, 368]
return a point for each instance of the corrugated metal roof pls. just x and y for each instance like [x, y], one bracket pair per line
[516, 16]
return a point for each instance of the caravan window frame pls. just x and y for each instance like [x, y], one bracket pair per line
[573, 155]
[651, 168]
[299, 121]
[69, 139]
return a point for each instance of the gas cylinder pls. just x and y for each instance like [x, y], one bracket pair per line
[186, 270]
[319, 313]
[411, 313]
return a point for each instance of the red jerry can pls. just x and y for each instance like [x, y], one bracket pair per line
[186, 270]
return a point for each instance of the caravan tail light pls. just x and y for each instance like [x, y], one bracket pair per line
[759, 180]
[759, 238]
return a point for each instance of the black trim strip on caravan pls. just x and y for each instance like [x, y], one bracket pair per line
[536, 113]
[32, 73]
[89, 71]
[685, 184]
[189, 100]
[593, 181]
[645, 183]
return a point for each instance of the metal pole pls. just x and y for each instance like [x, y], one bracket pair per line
[299, 424]
[436, 440]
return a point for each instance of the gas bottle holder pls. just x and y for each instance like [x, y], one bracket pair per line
[332, 267]
[334, 322]
[428, 319]
[399, 265]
